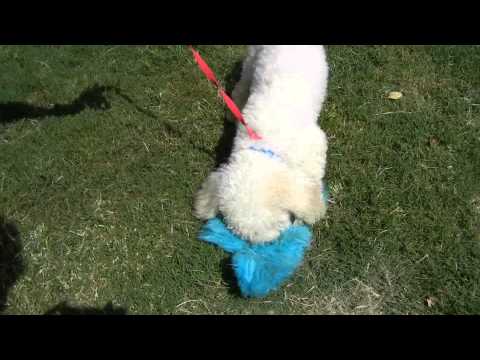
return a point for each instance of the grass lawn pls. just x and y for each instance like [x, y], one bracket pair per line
[103, 147]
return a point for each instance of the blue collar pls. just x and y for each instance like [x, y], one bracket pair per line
[265, 151]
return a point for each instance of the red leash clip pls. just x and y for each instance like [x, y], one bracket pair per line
[228, 101]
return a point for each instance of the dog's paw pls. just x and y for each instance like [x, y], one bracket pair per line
[314, 206]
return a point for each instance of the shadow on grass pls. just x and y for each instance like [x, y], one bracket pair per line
[168, 128]
[65, 309]
[225, 144]
[11, 261]
[228, 276]
[93, 98]
[223, 151]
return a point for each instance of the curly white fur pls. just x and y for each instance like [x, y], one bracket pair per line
[281, 92]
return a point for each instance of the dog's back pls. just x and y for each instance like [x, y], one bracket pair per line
[265, 182]
[288, 86]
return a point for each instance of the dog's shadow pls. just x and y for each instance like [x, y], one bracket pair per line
[12, 265]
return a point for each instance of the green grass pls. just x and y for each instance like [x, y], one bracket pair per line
[100, 186]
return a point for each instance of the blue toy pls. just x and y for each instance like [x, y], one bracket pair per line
[261, 268]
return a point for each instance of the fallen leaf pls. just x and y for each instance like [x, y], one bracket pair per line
[395, 95]
[434, 141]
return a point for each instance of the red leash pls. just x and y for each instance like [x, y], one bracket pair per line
[228, 101]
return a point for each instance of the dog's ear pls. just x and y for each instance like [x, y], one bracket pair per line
[299, 196]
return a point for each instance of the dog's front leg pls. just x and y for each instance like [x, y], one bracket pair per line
[305, 200]
[206, 201]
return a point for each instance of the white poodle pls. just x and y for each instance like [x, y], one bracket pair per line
[269, 183]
